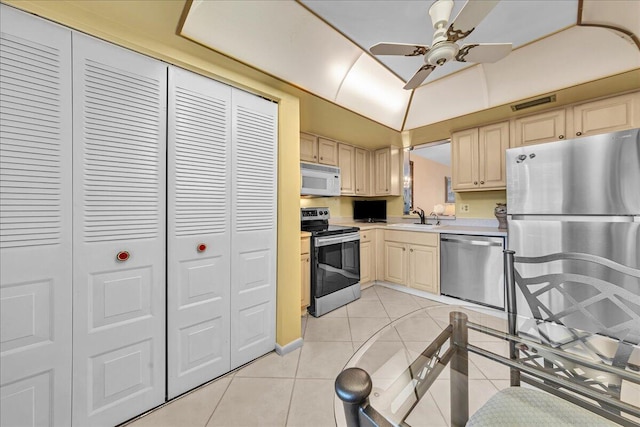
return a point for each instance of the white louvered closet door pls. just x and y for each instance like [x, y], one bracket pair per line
[198, 266]
[119, 148]
[253, 238]
[35, 221]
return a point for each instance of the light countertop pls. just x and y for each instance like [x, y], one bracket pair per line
[458, 226]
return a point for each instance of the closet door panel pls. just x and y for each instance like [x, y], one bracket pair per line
[199, 133]
[253, 243]
[119, 157]
[35, 221]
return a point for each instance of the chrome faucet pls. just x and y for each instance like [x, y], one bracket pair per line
[436, 215]
[420, 213]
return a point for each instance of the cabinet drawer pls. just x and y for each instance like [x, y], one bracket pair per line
[414, 237]
[366, 236]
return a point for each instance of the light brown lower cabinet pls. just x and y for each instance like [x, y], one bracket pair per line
[367, 256]
[412, 259]
[305, 273]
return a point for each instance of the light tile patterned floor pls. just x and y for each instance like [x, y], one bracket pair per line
[297, 389]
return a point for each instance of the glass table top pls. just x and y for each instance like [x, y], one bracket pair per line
[405, 394]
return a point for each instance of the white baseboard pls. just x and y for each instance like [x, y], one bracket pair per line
[288, 348]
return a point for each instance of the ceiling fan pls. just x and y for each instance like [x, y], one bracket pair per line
[445, 47]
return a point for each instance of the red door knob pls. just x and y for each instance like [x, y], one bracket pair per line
[202, 247]
[122, 256]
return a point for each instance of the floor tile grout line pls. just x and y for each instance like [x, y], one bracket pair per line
[293, 389]
[219, 400]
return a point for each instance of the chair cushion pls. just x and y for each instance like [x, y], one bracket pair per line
[518, 406]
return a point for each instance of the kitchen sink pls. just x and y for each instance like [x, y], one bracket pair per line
[414, 226]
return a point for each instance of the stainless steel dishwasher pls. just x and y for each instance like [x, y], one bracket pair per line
[471, 268]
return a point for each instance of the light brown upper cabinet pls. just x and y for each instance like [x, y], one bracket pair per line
[544, 127]
[607, 115]
[308, 148]
[478, 157]
[347, 164]
[388, 172]
[327, 152]
[363, 172]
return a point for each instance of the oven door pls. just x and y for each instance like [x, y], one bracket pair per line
[336, 263]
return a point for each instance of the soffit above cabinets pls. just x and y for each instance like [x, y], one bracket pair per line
[318, 47]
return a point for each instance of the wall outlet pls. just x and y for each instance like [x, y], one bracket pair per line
[464, 207]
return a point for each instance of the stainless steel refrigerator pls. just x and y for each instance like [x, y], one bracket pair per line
[580, 196]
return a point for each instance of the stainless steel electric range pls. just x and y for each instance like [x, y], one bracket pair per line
[335, 261]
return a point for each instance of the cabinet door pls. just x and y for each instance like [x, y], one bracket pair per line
[198, 265]
[327, 152]
[423, 268]
[365, 261]
[464, 158]
[254, 145]
[119, 145]
[493, 143]
[308, 148]
[382, 171]
[347, 164]
[305, 281]
[544, 127]
[395, 266]
[35, 221]
[363, 172]
[607, 115]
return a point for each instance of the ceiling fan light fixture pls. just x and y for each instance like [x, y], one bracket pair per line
[441, 53]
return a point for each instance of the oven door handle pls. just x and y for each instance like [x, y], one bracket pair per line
[334, 240]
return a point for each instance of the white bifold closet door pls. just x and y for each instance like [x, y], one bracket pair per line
[35, 221]
[199, 209]
[119, 157]
[254, 142]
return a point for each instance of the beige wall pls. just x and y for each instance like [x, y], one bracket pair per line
[149, 27]
[481, 203]
[428, 182]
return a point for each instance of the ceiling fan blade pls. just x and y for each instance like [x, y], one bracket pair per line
[419, 76]
[399, 49]
[482, 53]
[468, 18]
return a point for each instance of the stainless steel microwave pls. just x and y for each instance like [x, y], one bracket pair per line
[319, 180]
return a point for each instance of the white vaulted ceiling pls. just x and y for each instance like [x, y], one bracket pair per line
[320, 46]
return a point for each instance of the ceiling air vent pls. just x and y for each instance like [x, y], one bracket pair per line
[533, 103]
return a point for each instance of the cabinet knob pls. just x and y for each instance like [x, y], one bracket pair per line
[410, 250]
[122, 256]
[307, 259]
[481, 182]
[578, 133]
[404, 249]
[315, 157]
[561, 137]
[475, 182]
[201, 247]
[321, 158]
[386, 189]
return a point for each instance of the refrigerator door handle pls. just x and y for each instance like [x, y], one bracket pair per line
[471, 242]
[576, 218]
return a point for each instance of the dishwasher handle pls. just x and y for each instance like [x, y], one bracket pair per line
[471, 242]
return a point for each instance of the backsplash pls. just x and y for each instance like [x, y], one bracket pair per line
[342, 207]
[481, 203]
